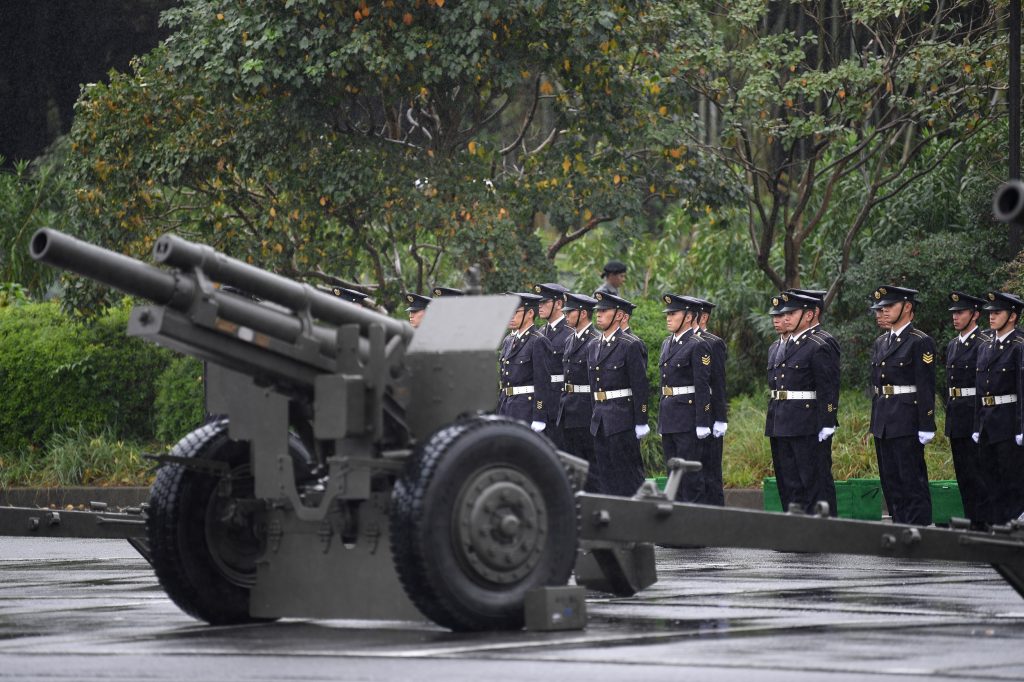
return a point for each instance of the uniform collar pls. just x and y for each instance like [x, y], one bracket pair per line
[1000, 339]
[964, 337]
[583, 332]
[897, 332]
[554, 325]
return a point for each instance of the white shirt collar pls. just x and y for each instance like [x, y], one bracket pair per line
[963, 337]
[899, 331]
[609, 337]
[580, 333]
[555, 324]
[796, 337]
[1002, 338]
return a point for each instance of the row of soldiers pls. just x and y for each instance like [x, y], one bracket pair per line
[580, 377]
[984, 398]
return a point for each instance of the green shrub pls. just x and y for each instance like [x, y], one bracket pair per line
[179, 399]
[58, 374]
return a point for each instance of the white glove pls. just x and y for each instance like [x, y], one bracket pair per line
[975, 436]
[718, 429]
[925, 436]
[826, 433]
[703, 432]
[537, 426]
[1020, 439]
[641, 430]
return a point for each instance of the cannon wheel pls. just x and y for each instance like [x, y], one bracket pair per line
[483, 513]
[203, 540]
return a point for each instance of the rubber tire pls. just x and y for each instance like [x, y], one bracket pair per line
[176, 526]
[423, 540]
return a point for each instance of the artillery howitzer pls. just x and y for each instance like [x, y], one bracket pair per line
[354, 470]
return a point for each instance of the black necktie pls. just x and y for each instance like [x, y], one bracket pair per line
[892, 340]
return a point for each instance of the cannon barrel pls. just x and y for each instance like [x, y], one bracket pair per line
[113, 269]
[181, 253]
[1008, 202]
[178, 291]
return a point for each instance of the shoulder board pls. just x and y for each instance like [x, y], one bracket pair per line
[920, 334]
[813, 337]
[881, 336]
[628, 337]
[1017, 339]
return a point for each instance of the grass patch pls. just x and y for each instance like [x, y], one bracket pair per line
[76, 457]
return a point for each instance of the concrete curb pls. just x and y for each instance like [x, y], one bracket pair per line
[744, 498]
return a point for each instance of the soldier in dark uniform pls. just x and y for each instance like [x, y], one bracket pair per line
[903, 406]
[962, 401]
[525, 375]
[576, 406]
[556, 330]
[614, 275]
[825, 447]
[804, 383]
[618, 381]
[719, 402]
[684, 420]
[447, 291]
[998, 422]
[417, 307]
[819, 296]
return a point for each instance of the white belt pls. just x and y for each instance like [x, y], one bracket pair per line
[517, 390]
[991, 400]
[888, 389]
[609, 395]
[677, 390]
[557, 378]
[794, 395]
[962, 392]
[577, 388]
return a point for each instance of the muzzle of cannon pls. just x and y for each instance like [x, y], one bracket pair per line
[1008, 202]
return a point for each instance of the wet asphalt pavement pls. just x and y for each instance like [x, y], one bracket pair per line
[91, 609]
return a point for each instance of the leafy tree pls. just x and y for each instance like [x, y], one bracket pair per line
[808, 102]
[386, 146]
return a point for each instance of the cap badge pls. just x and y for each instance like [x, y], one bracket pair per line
[409, 298]
[598, 296]
[991, 296]
[775, 300]
[336, 291]
[878, 295]
[785, 297]
[882, 291]
[955, 297]
[437, 292]
[536, 288]
[668, 299]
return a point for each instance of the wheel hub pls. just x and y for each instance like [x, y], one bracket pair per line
[501, 525]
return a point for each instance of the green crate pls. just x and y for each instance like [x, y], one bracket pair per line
[844, 499]
[946, 501]
[661, 481]
[865, 498]
[772, 501]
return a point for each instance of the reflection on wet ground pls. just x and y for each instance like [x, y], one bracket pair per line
[94, 609]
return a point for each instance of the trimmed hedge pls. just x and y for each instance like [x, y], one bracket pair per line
[179, 399]
[58, 374]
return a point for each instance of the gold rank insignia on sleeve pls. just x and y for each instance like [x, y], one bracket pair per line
[705, 359]
[931, 412]
[707, 408]
[540, 404]
[831, 408]
[643, 408]
[928, 358]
